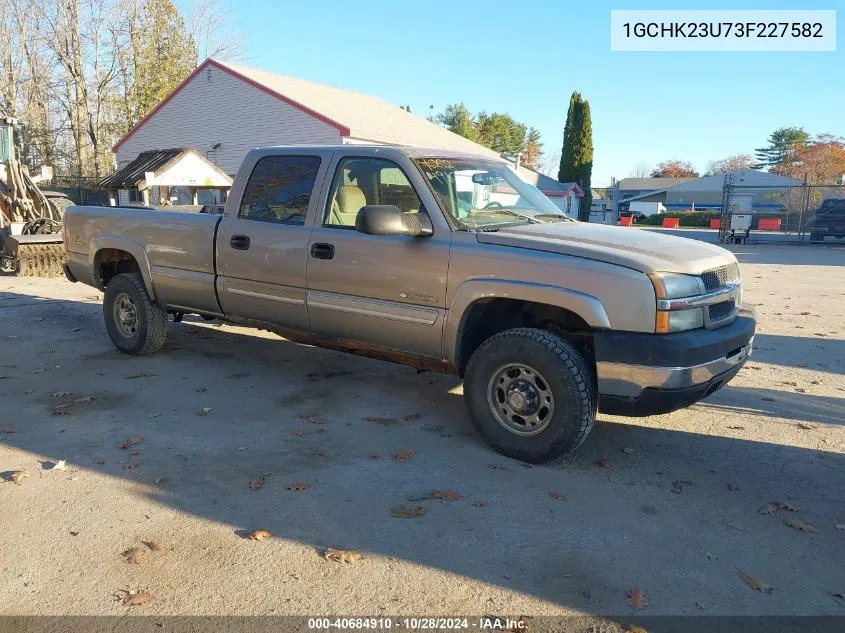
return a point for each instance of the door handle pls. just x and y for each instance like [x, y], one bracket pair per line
[321, 250]
[239, 242]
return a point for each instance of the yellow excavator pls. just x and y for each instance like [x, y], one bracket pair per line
[30, 218]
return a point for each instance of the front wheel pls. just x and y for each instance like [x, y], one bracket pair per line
[136, 325]
[530, 394]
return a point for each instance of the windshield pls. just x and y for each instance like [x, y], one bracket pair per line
[481, 194]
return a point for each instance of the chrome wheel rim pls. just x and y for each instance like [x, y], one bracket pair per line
[125, 315]
[521, 399]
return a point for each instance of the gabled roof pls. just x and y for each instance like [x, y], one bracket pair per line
[547, 184]
[157, 161]
[353, 114]
[649, 184]
[742, 178]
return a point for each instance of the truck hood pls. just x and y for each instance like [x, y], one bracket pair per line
[642, 250]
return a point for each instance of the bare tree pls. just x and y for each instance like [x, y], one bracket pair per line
[213, 30]
[641, 170]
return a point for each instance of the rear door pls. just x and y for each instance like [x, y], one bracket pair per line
[262, 243]
[385, 291]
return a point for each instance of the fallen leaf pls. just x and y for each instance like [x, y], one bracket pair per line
[256, 483]
[159, 480]
[73, 533]
[382, 421]
[604, 463]
[134, 555]
[800, 526]
[804, 313]
[132, 441]
[302, 432]
[756, 585]
[145, 374]
[62, 409]
[678, 486]
[497, 467]
[61, 394]
[200, 389]
[375, 456]
[311, 419]
[480, 504]
[18, 476]
[557, 496]
[840, 595]
[404, 455]
[404, 512]
[768, 399]
[258, 535]
[789, 383]
[59, 465]
[341, 556]
[733, 487]
[699, 605]
[319, 452]
[446, 495]
[153, 415]
[204, 411]
[132, 465]
[736, 428]
[807, 426]
[153, 546]
[136, 599]
[637, 599]
[628, 451]
[298, 486]
[412, 417]
[783, 505]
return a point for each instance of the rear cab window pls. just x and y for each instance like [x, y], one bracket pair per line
[279, 189]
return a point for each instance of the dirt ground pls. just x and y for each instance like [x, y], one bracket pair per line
[669, 504]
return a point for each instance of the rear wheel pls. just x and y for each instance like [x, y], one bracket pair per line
[530, 394]
[136, 325]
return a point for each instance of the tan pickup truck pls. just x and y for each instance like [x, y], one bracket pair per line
[441, 261]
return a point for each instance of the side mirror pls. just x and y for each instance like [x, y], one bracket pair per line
[388, 219]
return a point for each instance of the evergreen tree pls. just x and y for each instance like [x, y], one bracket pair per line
[576, 156]
[782, 142]
[165, 54]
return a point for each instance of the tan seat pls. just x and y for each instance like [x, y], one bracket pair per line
[348, 200]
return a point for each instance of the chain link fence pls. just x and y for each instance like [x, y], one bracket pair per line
[801, 212]
[80, 189]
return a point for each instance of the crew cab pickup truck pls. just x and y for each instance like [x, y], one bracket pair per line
[441, 261]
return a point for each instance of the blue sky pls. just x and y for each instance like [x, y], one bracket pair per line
[526, 57]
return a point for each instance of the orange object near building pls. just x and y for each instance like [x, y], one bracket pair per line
[769, 224]
[715, 223]
[626, 220]
[671, 223]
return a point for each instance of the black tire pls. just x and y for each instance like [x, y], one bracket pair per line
[564, 372]
[149, 331]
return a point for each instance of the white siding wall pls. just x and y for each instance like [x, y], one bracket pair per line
[215, 107]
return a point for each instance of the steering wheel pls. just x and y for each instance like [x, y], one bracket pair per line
[493, 205]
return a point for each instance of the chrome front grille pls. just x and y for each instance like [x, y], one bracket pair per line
[719, 311]
[722, 276]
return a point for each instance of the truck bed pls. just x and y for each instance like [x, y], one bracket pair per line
[175, 249]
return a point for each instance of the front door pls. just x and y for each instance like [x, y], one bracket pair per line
[262, 250]
[386, 291]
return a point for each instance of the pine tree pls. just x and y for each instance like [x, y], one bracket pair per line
[576, 156]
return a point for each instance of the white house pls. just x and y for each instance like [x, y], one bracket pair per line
[223, 110]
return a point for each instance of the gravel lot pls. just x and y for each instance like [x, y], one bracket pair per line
[670, 504]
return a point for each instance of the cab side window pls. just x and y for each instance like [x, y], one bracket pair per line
[279, 189]
[359, 182]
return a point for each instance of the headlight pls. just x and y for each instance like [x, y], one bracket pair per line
[676, 286]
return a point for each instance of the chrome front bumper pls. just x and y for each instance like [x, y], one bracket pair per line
[629, 381]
